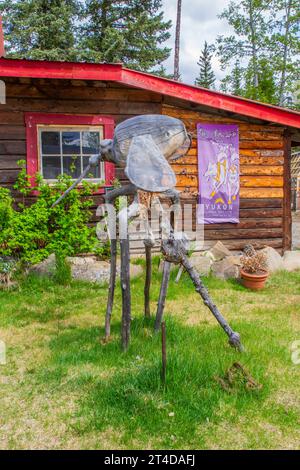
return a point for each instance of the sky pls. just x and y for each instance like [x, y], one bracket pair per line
[199, 22]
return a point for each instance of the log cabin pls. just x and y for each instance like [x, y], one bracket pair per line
[45, 101]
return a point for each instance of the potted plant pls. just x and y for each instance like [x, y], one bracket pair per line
[254, 268]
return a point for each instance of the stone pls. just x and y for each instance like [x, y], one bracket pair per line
[46, 267]
[291, 260]
[84, 268]
[202, 264]
[226, 268]
[219, 251]
[274, 260]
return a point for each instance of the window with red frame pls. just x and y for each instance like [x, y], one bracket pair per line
[62, 144]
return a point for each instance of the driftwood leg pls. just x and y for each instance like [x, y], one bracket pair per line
[112, 284]
[126, 296]
[175, 251]
[110, 199]
[162, 294]
[148, 249]
[234, 337]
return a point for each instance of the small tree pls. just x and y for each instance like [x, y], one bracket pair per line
[233, 83]
[40, 29]
[206, 77]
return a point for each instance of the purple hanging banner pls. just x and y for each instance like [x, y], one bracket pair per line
[218, 169]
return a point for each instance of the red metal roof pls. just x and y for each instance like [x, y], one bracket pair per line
[120, 74]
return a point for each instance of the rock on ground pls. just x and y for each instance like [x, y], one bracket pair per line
[291, 260]
[84, 268]
[219, 251]
[274, 260]
[227, 268]
[202, 264]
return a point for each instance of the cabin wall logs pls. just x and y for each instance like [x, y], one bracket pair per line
[261, 150]
[262, 158]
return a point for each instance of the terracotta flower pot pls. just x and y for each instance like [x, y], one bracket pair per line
[254, 281]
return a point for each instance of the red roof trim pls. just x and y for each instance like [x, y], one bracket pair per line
[211, 98]
[115, 72]
[63, 70]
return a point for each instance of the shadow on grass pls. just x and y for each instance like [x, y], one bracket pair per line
[124, 391]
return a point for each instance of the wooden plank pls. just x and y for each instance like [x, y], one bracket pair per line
[8, 147]
[68, 91]
[12, 132]
[247, 223]
[260, 213]
[257, 170]
[263, 161]
[11, 117]
[261, 203]
[261, 193]
[8, 176]
[79, 107]
[261, 181]
[244, 233]
[262, 144]
[9, 162]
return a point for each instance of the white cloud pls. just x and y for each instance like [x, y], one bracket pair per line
[199, 23]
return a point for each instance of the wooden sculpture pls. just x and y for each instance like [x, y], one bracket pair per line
[143, 146]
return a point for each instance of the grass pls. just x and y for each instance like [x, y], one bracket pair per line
[63, 388]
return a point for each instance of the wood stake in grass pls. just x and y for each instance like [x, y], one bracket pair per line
[163, 352]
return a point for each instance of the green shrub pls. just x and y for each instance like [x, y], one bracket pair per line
[32, 233]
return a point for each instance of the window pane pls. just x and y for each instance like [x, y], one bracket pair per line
[50, 143]
[71, 143]
[72, 166]
[90, 142]
[94, 172]
[51, 167]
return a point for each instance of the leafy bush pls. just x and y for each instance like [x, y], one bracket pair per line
[32, 233]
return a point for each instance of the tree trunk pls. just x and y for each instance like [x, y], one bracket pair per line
[285, 52]
[177, 41]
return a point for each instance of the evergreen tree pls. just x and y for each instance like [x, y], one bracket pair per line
[130, 32]
[40, 29]
[206, 76]
[233, 83]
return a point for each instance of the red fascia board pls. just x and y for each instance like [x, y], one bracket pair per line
[116, 72]
[211, 98]
[62, 70]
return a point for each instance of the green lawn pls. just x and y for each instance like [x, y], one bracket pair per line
[63, 388]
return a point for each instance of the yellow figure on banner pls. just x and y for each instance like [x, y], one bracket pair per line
[224, 174]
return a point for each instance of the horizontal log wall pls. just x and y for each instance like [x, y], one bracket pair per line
[261, 181]
[261, 150]
[66, 97]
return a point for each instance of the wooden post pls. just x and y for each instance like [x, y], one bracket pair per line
[112, 284]
[163, 353]
[162, 294]
[287, 211]
[126, 297]
[148, 279]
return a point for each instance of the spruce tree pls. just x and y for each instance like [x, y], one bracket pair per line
[40, 29]
[206, 77]
[131, 32]
[233, 83]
